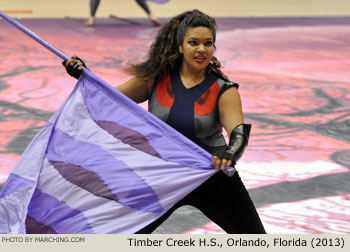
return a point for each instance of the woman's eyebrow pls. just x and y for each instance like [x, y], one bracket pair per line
[198, 38]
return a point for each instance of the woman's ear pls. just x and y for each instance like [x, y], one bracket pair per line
[181, 49]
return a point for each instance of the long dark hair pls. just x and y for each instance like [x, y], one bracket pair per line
[164, 52]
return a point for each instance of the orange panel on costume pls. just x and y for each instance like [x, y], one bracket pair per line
[207, 102]
[165, 94]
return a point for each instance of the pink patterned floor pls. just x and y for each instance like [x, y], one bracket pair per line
[294, 82]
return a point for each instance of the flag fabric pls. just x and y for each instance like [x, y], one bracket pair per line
[101, 164]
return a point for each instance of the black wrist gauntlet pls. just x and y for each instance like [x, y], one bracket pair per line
[73, 70]
[238, 141]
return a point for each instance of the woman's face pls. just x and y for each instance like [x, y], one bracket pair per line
[197, 49]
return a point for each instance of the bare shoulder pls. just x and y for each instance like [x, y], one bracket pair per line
[136, 89]
[231, 95]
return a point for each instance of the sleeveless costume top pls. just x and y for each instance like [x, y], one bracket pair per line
[191, 111]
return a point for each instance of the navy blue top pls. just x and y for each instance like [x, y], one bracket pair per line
[181, 113]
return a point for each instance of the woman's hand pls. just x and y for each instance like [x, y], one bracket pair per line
[221, 163]
[74, 66]
[226, 165]
[226, 160]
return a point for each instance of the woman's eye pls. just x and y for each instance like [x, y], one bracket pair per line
[192, 42]
[208, 43]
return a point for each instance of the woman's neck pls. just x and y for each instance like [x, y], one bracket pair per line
[191, 78]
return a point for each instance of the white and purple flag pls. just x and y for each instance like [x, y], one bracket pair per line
[102, 164]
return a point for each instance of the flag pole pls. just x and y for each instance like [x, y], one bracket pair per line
[33, 35]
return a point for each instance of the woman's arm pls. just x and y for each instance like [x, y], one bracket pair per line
[136, 89]
[230, 110]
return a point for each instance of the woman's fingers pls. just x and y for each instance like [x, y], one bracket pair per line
[80, 67]
[76, 64]
[68, 62]
[216, 162]
[221, 163]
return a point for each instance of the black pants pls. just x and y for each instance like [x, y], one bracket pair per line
[225, 201]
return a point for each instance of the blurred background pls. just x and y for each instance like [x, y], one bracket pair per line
[222, 8]
[291, 58]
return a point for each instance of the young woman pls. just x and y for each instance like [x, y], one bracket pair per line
[185, 87]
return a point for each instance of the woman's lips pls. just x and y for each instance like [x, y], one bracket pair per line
[200, 59]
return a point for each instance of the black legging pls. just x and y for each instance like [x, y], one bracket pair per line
[144, 6]
[225, 201]
[94, 5]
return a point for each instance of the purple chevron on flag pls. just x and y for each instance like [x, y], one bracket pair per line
[102, 164]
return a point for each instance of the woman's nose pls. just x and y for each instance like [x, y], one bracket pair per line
[201, 48]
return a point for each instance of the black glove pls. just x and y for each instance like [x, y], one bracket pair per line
[72, 68]
[238, 141]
